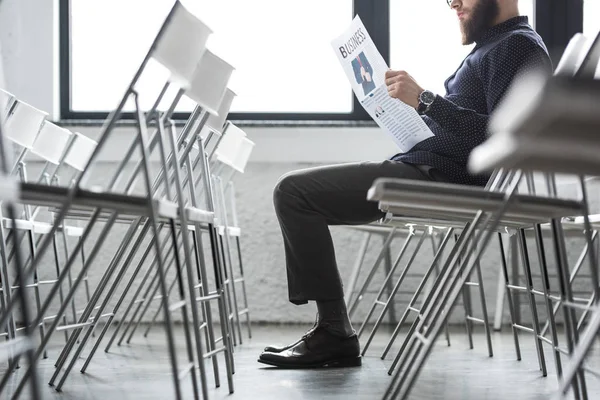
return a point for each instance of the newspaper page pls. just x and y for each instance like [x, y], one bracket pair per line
[365, 68]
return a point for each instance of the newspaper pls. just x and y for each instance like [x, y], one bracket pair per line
[365, 69]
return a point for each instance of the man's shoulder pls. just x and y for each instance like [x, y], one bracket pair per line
[518, 40]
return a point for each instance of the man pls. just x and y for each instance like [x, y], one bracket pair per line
[307, 201]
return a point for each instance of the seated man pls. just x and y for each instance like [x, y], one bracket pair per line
[307, 201]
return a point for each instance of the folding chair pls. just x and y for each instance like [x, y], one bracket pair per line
[232, 152]
[436, 201]
[152, 288]
[47, 142]
[231, 230]
[14, 347]
[51, 145]
[351, 296]
[560, 154]
[213, 125]
[191, 214]
[426, 227]
[6, 102]
[23, 124]
[150, 293]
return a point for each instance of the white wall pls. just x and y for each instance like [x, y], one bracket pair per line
[29, 37]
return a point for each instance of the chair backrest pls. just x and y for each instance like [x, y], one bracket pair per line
[6, 101]
[216, 122]
[209, 83]
[590, 61]
[51, 142]
[243, 155]
[572, 57]
[229, 146]
[181, 44]
[23, 124]
[80, 152]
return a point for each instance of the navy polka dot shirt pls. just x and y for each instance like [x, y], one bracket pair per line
[459, 119]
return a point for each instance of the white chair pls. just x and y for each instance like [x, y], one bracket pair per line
[180, 44]
[209, 83]
[229, 229]
[6, 102]
[51, 142]
[216, 122]
[12, 349]
[229, 145]
[564, 141]
[80, 152]
[22, 127]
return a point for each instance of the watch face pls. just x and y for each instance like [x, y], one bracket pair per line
[427, 97]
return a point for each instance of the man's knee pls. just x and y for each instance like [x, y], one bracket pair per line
[288, 188]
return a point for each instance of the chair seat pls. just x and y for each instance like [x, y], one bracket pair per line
[73, 231]
[379, 228]
[594, 220]
[438, 224]
[40, 228]
[54, 196]
[231, 231]
[167, 209]
[451, 201]
[20, 224]
[194, 214]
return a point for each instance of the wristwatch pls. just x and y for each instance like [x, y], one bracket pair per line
[426, 99]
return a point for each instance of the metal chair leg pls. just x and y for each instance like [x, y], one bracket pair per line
[386, 304]
[509, 297]
[349, 295]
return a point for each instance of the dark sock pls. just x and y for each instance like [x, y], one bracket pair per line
[333, 316]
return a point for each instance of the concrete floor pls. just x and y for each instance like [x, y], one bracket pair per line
[140, 370]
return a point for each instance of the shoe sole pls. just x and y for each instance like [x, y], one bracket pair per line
[338, 363]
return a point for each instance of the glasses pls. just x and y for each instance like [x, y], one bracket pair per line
[449, 2]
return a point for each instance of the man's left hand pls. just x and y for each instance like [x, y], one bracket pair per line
[403, 87]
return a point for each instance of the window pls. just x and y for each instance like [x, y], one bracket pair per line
[285, 67]
[281, 50]
[426, 41]
[591, 17]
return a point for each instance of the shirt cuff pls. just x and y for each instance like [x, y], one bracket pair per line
[439, 109]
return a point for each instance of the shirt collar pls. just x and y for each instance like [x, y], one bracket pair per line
[506, 26]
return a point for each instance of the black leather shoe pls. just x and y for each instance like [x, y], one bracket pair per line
[318, 348]
[279, 349]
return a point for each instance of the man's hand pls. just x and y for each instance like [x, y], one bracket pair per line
[363, 72]
[402, 86]
[368, 77]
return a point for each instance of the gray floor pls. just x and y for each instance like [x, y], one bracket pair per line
[140, 371]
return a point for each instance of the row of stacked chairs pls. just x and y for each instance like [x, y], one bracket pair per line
[169, 205]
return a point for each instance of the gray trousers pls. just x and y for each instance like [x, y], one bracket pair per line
[309, 200]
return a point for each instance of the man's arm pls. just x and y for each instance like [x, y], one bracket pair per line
[518, 54]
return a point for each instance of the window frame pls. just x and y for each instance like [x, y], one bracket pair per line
[556, 21]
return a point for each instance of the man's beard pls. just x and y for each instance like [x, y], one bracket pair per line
[481, 19]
